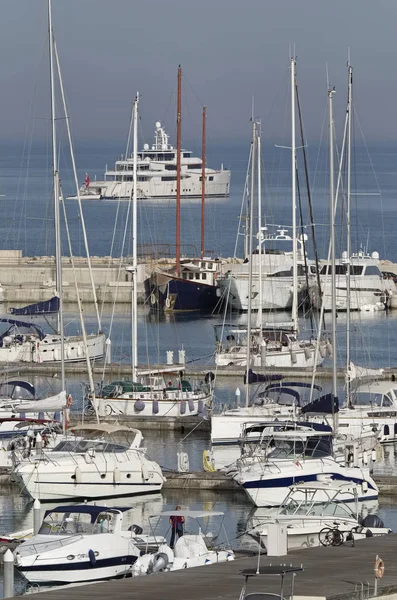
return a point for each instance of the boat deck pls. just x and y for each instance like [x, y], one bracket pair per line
[342, 573]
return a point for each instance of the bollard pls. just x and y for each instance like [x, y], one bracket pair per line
[8, 584]
[36, 516]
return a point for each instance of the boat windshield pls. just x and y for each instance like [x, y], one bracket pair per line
[81, 446]
[311, 447]
[308, 502]
[371, 399]
[72, 523]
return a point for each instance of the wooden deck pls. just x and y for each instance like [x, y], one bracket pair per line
[335, 573]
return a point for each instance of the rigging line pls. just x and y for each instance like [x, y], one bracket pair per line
[311, 315]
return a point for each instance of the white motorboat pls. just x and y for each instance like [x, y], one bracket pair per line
[80, 543]
[369, 289]
[272, 264]
[157, 175]
[107, 464]
[299, 454]
[309, 522]
[371, 404]
[190, 550]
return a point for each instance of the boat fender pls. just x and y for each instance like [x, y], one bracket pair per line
[69, 401]
[92, 557]
[77, 475]
[155, 407]
[191, 405]
[152, 299]
[168, 302]
[89, 456]
[145, 472]
[183, 407]
[139, 405]
[323, 351]
[209, 377]
[116, 476]
[294, 358]
[200, 407]
[308, 353]
[159, 563]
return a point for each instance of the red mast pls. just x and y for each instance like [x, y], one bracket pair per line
[203, 182]
[178, 175]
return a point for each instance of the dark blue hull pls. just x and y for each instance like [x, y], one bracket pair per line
[183, 295]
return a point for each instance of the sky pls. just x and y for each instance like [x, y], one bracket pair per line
[230, 50]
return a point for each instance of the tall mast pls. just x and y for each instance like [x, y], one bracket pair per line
[250, 249]
[58, 255]
[134, 320]
[348, 211]
[293, 175]
[332, 244]
[178, 174]
[259, 193]
[203, 182]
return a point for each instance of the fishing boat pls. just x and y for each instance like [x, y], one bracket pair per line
[79, 543]
[157, 175]
[99, 461]
[310, 523]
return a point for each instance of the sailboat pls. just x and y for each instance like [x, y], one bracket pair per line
[192, 284]
[24, 341]
[150, 393]
[272, 345]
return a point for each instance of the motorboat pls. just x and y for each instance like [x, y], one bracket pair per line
[301, 453]
[271, 263]
[309, 523]
[190, 550]
[157, 175]
[371, 404]
[99, 461]
[274, 345]
[154, 394]
[80, 543]
[369, 289]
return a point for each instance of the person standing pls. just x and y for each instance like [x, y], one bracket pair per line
[176, 522]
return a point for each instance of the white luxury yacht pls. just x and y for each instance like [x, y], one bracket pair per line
[369, 289]
[156, 175]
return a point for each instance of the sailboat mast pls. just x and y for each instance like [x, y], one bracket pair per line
[134, 215]
[203, 181]
[293, 175]
[178, 175]
[348, 215]
[332, 243]
[250, 250]
[58, 255]
[259, 193]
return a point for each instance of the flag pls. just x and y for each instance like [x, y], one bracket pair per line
[87, 180]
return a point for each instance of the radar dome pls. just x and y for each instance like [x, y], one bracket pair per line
[375, 255]
[344, 255]
[146, 147]
[158, 125]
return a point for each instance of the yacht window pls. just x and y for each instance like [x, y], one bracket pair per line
[372, 270]
[198, 166]
[211, 178]
[387, 401]
[142, 178]
[197, 275]
[186, 154]
[68, 523]
[190, 275]
[367, 399]
[170, 167]
[203, 275]
[356, 269]
[168, 178]
[104, 523]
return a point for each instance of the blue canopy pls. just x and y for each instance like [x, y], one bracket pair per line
[327, 405]
[45, 307]
[260, 378]
[26, 385]
[21, 324]
[88, 509]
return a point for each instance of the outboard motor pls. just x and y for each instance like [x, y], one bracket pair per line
[159, 563]
[372, 521]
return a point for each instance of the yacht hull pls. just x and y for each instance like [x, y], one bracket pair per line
[145, 405]
[182, 295]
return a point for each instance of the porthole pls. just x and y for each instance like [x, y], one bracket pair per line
[103, 475]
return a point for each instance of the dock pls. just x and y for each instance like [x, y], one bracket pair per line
[334, 573]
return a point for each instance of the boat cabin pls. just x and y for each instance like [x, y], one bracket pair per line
[82, 519]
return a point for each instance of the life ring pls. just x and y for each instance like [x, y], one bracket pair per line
[379, 568]
[168, 302]
[69, 400]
